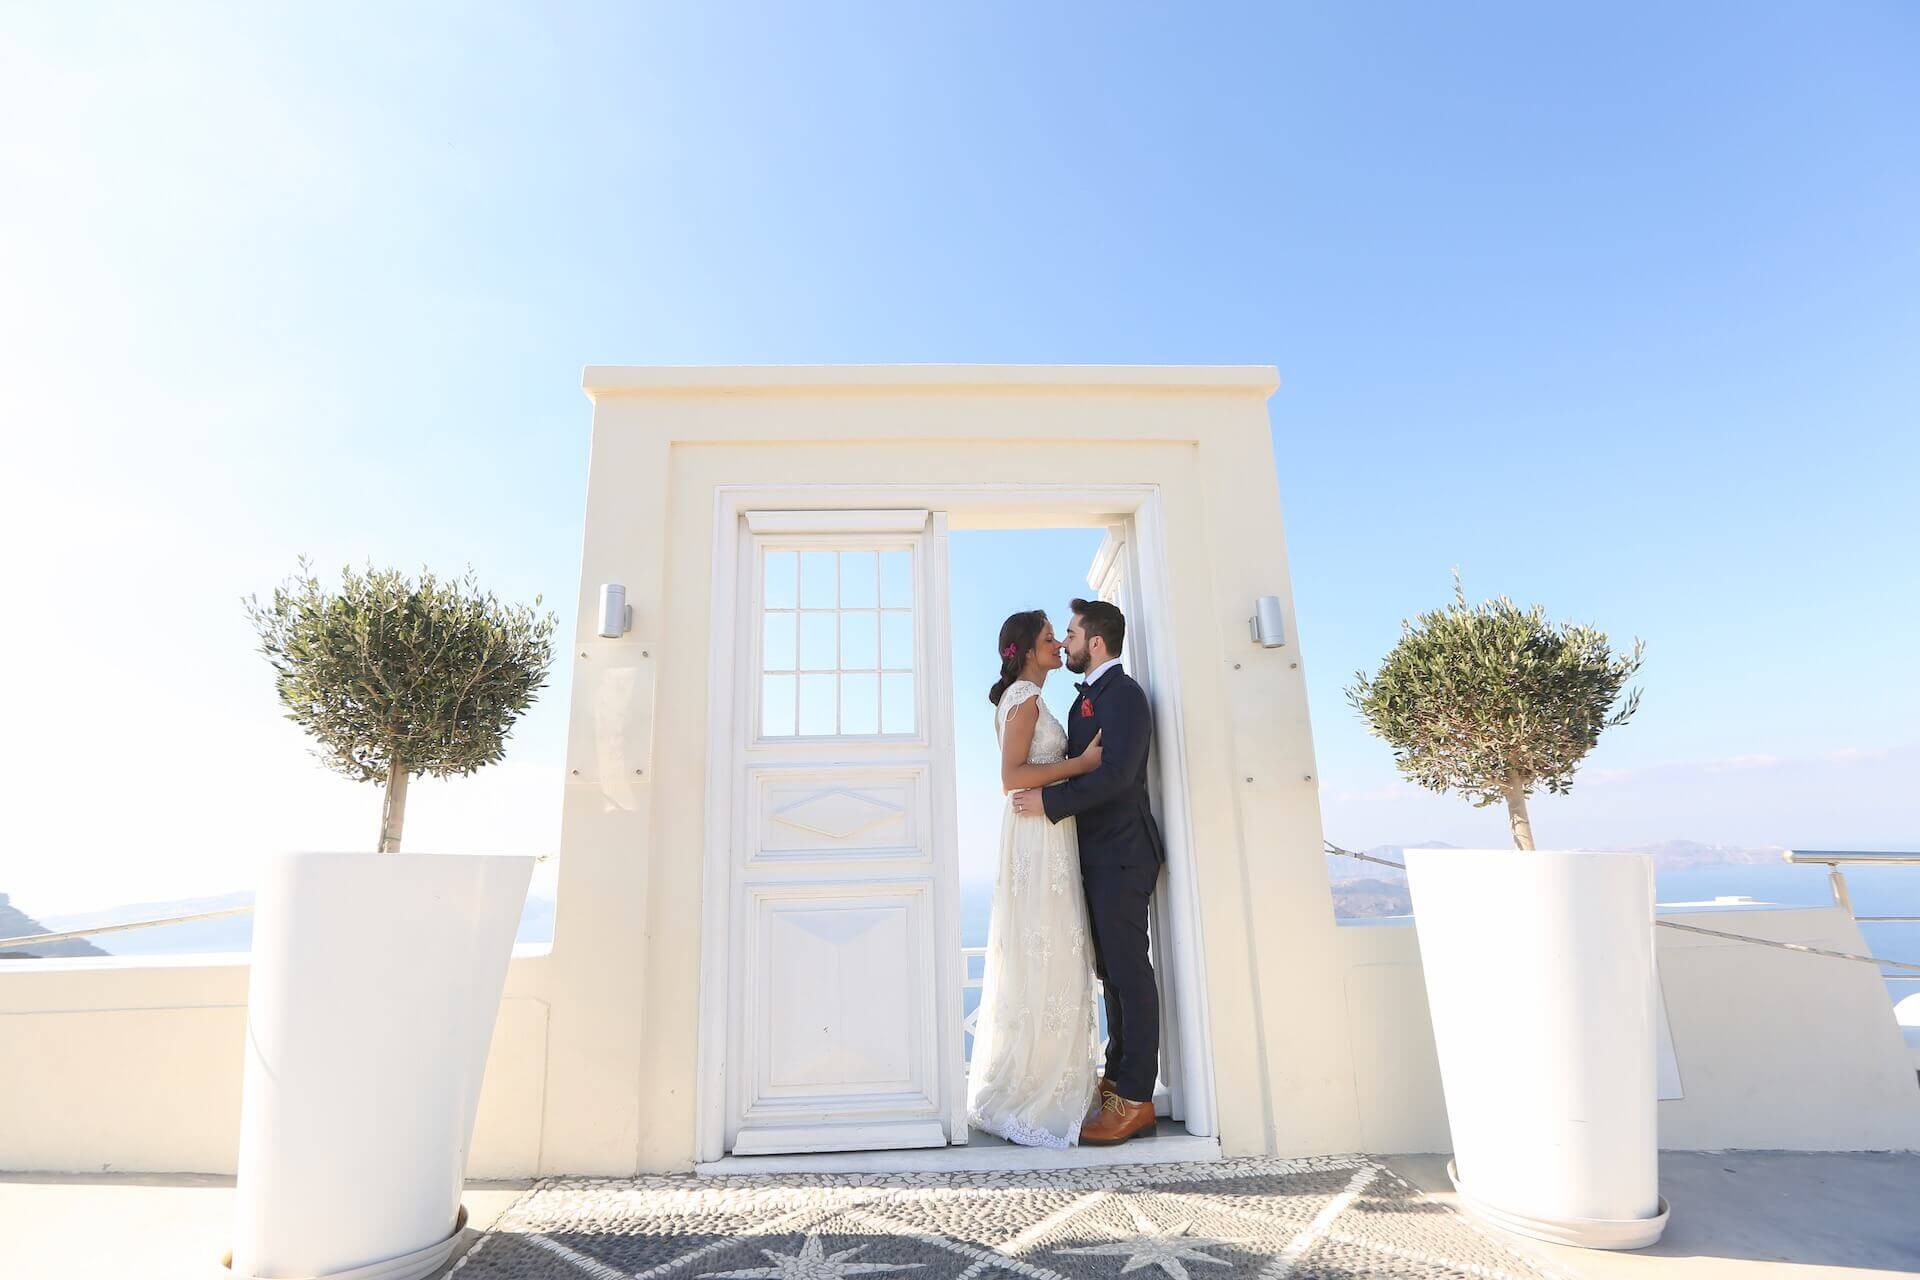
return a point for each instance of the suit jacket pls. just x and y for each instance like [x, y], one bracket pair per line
[1116, 825]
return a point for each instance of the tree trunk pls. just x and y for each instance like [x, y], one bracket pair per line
[1517, 819]
[394, 812]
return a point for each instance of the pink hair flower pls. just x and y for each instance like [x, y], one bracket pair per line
[1010, 652]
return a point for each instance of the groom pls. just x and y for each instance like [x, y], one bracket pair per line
[1120, 857]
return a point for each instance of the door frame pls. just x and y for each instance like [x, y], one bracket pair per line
[1115, 554]
[979, 506]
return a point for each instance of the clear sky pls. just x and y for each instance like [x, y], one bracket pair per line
[1616, 309]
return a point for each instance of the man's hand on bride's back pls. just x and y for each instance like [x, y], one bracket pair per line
[1026, 802]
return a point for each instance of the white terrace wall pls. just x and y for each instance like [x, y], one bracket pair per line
[1777, 1050]
[1320, 1039]
[134, 1064]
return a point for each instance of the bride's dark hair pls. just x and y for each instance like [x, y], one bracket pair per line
[1018, 634]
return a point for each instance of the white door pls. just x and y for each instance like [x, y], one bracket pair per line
[844, 999]
[1110, 577]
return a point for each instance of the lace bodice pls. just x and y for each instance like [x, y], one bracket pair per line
[1049, 735]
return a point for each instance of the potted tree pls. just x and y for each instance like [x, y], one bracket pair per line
[376, 977]
[1538, 964]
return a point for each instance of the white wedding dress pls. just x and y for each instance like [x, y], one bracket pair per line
[1034, 1063]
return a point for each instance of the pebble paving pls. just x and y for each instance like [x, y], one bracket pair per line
[1327, 1218]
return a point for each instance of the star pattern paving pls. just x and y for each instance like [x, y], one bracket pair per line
[1169, 1250]
[813, 1262]
[1326, 1218]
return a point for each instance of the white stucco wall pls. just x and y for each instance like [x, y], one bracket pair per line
[135, 1063]
[1319, 1034]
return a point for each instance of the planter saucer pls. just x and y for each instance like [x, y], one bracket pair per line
[408, 1266]
[1582, 1233]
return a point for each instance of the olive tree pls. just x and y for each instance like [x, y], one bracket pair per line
[394, 676]
[1492, 701]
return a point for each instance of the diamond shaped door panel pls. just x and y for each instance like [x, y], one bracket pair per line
[844, 813]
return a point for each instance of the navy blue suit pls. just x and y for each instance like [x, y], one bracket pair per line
[1120, 856]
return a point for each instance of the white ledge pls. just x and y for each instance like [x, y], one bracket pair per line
[627, 379]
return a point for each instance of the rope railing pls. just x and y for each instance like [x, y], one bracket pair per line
[1333, 848]
[1795, 946]
[1832, 859]
[37, 939]
[1363, 857]
[34, 939]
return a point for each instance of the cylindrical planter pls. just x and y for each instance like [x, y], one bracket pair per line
[375, 981]
[1540, 980]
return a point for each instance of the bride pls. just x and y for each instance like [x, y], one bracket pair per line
[1033, 1072]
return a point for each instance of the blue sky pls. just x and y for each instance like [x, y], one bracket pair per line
[1615, 309]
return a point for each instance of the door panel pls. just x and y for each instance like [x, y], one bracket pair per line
[849, 812]
[843, 974]
[842, 874]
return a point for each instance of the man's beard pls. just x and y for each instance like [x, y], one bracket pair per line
[1077, 662]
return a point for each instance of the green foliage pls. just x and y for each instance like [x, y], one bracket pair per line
[429, 674]
[1491, 700]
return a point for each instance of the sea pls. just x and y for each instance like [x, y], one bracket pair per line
[1893, 891]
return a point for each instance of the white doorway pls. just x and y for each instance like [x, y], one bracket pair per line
[832, 970]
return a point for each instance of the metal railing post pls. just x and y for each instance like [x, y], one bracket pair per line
[1838, 883]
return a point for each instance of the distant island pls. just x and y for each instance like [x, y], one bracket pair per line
[15, 923]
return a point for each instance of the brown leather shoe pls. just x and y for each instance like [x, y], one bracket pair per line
[1100, 1092]
[1119, 1119]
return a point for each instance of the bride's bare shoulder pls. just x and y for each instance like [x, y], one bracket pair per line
[1016, 698]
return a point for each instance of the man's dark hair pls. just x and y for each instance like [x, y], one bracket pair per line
[1098, 618]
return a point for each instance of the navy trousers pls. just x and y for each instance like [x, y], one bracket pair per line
[1117, 906]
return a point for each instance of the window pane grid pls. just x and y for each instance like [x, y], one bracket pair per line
[837, 644]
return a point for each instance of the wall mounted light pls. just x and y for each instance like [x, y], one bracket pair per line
[1266, 624]
[616, 615]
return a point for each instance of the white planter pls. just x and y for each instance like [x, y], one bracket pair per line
[374, 986]
[1540, 979]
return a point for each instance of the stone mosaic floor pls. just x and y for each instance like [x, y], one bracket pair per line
[1319, 1219]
